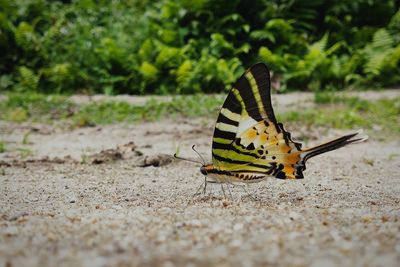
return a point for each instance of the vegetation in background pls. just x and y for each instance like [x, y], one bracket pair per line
[182, 46]
[55, 108]
[2, 147]
[330, 111]
[349, 113]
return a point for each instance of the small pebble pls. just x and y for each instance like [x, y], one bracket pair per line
[71, 197]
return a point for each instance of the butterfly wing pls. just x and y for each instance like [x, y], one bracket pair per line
[247, 138]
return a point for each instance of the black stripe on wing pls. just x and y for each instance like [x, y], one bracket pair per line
[223, 134]
[260, 73]
[247, 95]
[232, 103]
[216, 145]
[239, 162]
[233, 110]
[223, 119]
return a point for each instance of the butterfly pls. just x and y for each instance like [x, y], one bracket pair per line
[250, 145]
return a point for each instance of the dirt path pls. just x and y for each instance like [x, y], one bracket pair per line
[67, 213]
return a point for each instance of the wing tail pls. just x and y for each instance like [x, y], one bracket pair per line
[345, 140]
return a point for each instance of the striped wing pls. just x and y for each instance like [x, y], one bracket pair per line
[247, 138]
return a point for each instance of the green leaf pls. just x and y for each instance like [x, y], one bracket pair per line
[148, 71]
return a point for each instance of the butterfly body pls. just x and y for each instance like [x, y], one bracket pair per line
[249, 145]
[218, 176]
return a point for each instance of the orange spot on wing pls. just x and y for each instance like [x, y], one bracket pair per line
[263, 138]
[284, 148]
[251, 134]
[292, 158]
[289, 170]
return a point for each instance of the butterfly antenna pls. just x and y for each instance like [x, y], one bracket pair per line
[204, 162]
[191, 160]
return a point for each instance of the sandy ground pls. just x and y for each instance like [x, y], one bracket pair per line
[60, 209]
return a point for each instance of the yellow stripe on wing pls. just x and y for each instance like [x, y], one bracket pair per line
[256, 93]
[240, 100]
[231, 154]
[226, 127]
[231, 115]
[222, 140]
[223, 165]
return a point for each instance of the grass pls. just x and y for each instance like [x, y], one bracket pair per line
[330, 97]
[332, 110]
[24, 152]
[382, 115]
[36, 107]
[2, 147]
[47, 109]
[25, 139]
[111, 112]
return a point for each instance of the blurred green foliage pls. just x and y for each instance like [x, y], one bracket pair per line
[2, 147]
[53, 109]
[182, 46]
[347, 113]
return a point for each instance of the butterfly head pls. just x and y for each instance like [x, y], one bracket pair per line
[207, 169]
[204, 169]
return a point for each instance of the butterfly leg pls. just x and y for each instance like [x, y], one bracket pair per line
[200, 187]
[248, 194]
[205, 185]
[223, 190]
[197, 193]
[229, 190]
